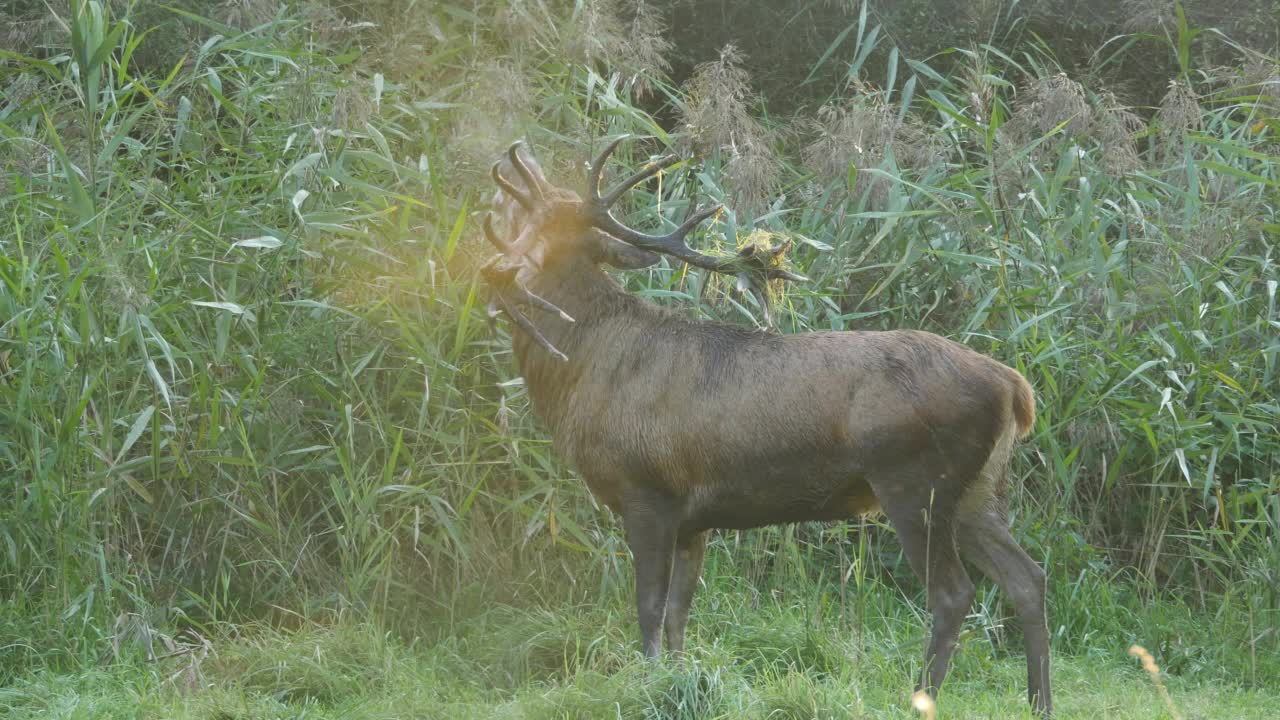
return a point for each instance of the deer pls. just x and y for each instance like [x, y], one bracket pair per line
[682, 426]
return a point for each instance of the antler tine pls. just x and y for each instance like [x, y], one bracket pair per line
[529, 328]
[693, 204]
[763, 301]
[524, 294]
[692, 221]
[780, 274]
[490, 233]
[504, 280]
[597, 169]
[510, 189]
[644, 173]
[596, 177]
[670, 244]
[535, 186]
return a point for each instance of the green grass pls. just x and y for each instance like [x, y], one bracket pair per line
[250, 408]
[578, 662]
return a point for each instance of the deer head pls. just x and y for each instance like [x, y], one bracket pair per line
[543, 220]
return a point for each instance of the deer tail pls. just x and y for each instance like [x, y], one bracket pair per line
[989, 491]
[1024, 406]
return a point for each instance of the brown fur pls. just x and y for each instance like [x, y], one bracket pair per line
[704, 412]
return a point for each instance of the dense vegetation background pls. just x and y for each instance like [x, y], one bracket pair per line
[261, 456]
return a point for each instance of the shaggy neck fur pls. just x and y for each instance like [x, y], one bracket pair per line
[596, 302]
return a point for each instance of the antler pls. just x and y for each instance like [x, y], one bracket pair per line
[507, 276]
[753, 266]
[503, 278]
[598, 211]
[533, 181]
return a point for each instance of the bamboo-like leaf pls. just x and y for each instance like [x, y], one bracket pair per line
[161, 386]
[135, 431]
[265, 242]
[230, 307]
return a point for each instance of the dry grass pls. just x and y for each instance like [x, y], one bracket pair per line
[1179, 114]
[1045, 104]
[648, 48]
[246, 14]
[1150, 16]
[1153, 670]
[718, 118]
[860, 131]
[1117, 129]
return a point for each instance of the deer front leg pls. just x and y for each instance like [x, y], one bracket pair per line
[684, 583]
[651, 534]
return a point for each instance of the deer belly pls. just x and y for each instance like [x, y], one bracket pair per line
[787, 501]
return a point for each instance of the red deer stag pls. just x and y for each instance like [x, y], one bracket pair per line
[681, 426]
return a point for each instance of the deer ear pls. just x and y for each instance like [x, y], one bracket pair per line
[610, 250]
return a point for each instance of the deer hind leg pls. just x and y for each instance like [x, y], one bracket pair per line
[986, 542]
[928, 540]
[651, 526]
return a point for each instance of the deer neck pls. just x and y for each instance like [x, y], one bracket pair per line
[597, 304]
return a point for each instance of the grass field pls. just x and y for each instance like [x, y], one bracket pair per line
[774, 661]
[261, 456]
